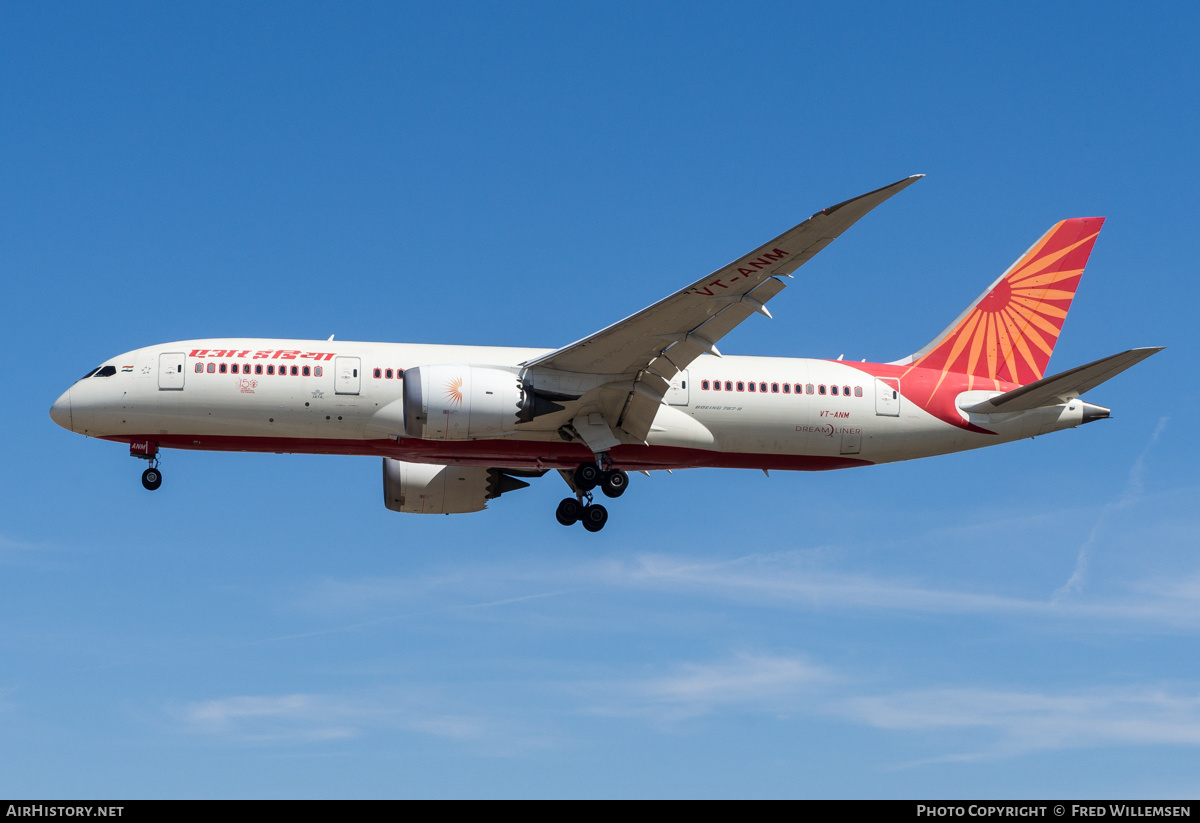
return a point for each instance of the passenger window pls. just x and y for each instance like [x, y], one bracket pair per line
[833, 390]
[809, 388]
[787, 388]
[306, 371]
[728, 385]
[821, 389]
[258, 368]
[199, 368]
[212, 368]
[295, 371]
[319, 371]
[774, 388]
[858, 391]
[234, 368]
[378, 373]
[270, 369]
[741, 386]
[846, 390]
[716, 385]
[762, 387]
[388, 374]
[751, 386]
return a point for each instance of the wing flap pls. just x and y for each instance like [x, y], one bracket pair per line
[639, 413]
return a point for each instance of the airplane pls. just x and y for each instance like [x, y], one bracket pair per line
[458, 426]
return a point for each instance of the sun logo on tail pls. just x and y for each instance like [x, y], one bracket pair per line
[1010, 332]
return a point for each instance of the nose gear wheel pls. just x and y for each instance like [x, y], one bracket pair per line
[152, 477]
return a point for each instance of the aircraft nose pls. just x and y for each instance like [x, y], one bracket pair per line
[60, 412]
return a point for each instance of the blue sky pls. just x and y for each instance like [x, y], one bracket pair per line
[1019, 621]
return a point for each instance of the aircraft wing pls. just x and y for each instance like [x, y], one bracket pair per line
[1065, 386]
[649, 348]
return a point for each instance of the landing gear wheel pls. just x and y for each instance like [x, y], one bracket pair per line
[568, 511]
[594, 517]
[614, 483]
[152, 478]
[587, 476]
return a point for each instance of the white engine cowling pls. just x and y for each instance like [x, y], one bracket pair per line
[425, 488]
[460, 402]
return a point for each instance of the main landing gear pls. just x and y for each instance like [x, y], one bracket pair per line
[570, 511]
[580, 508]
[613, 482]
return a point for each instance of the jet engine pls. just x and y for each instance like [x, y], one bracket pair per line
[463, 402]
[425, 488]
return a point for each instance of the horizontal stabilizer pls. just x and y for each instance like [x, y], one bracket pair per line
[1063, 387]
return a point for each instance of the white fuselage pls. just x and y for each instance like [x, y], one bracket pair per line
[343, 398]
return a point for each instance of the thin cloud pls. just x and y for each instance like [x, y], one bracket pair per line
[1134, 490]
[23, 553]
[1002, 722]
[299, 718]
[802, 580]
[759, 682]
[1025, 721]
[790, 580]
[777, 580]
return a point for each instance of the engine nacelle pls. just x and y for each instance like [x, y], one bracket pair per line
[424, 488]
[461, 402]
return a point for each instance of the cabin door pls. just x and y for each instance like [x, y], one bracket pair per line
[170, 370]
[677, 394]
[347, 371]
[887, 396]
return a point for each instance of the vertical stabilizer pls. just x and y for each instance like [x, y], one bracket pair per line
[1009, 332]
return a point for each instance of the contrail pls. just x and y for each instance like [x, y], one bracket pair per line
[1133, 492]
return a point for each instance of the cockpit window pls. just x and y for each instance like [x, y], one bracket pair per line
[89, 374]
[106, 371]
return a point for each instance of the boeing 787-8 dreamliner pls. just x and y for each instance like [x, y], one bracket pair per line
[457, 426]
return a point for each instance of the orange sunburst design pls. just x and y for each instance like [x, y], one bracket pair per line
[1010, 332]
[454, 391]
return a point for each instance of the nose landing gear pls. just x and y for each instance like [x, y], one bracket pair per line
[145, 450]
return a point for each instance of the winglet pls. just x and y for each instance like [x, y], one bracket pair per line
[868, 201]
